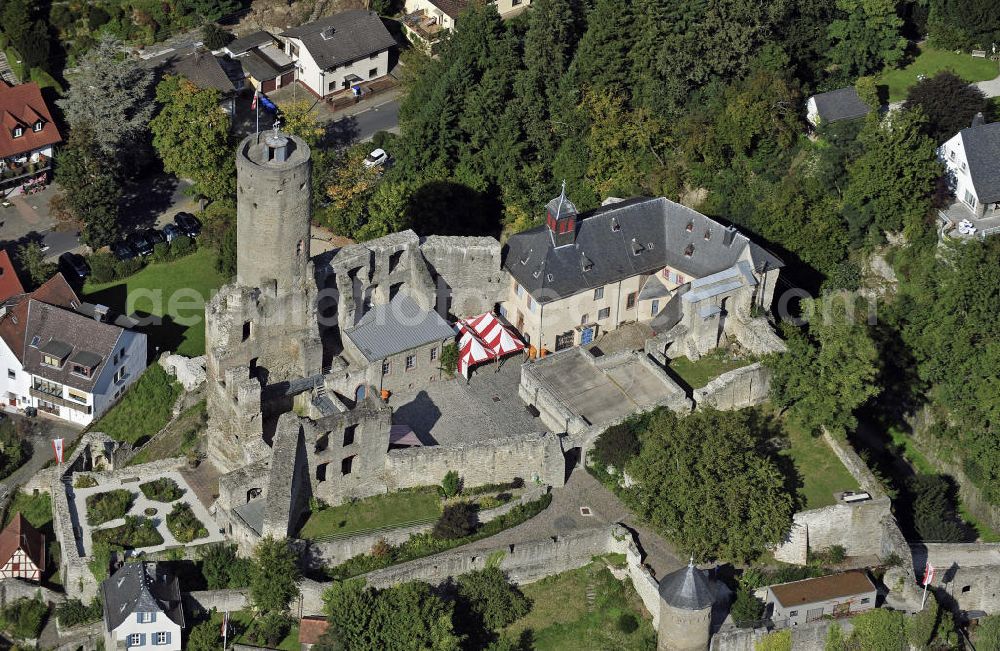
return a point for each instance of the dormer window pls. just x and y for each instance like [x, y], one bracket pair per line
[81, 370]
[708, 234]
[55, 352]
[689, 227]
[37, 126]
[637, 247]
[586, 262]
[615, 226]
[689, 251]
[52, 360]
[18, 132]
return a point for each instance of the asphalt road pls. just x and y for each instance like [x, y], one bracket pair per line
[361, 127]
[41, 448]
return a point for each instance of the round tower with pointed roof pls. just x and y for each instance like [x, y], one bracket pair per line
[685, 610]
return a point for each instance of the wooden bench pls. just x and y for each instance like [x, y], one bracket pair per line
[979, 54]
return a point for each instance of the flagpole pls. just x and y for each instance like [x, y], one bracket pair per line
[225, 630]
[924, 598]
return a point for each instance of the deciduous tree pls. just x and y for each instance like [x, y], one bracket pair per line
[90, 187]
[274, 576]
[866, 35]
[947, 101]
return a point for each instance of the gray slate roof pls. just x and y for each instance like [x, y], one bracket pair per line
[203, 69]
[141, 587]
[625, 239]
[62, 332]
[397, 326]
[687, 588]
[840, 104]
[261, 67]
[356, 34]
[248, 42]
[982, 150]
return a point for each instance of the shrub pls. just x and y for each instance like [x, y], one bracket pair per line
[182, 246]
[163, 489]
[136, 532]
[103, 507]
[184, 524]
[223, 569]
[268, 630]
[627, 623]
[14, 450]
[381, 548]
[451, 484]
[24, 617]
[449, 359]
[747, 609]
[830, 556]
[457, 521]
[73, 612]
[775, 641]
[161, 252]
[486, 596]
[84, 481]
[100, 558]
[616, 445]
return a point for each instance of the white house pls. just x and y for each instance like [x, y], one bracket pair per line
[972, 159]
[60, 356]
[340, 51]
[427, 20]
[142, 608]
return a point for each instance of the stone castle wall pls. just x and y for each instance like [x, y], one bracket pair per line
[467, 272]
[737, 389]
[810, 636]
[855, 527]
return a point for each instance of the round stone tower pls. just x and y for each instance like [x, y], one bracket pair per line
[273, 197]
[685, 611]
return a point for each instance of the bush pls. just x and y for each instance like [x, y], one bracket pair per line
[161, 252]
[73, 612]
[451, 484]
[832, 555]
[100, 558]
[449, 359]
[24, 617]
[627, 623]
[487, 598]
[457, 521]
[104, 507]
[616, 445]
[136, 532]
[182, 246]
[163, 489]
[268, 630]
[14, 450]
[747, 609]
[223, 569]
[934, 511]
[184, 525]
[84, 481]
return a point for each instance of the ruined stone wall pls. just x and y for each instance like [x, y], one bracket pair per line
[467, 273]
[856, 527]
[235, 486]
[528, 456]
[810, 636]
[288, 490]
[737, 389]
[855, 465]
[756, 335]
[203, 601]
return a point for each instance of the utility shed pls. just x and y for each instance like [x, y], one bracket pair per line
[835, 595]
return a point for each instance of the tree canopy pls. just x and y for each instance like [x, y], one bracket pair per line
[948, 102]
[274, 576]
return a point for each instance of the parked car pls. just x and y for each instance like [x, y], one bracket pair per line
[73, 265]
[139, 243]
[172, 231]
[122, 251]
[188, 223]
[377, 158]
[154, 236]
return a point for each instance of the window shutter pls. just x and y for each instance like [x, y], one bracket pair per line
[152, 617]
[168, 637]
[142, 639]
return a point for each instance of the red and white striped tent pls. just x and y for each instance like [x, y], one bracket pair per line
[484, 338]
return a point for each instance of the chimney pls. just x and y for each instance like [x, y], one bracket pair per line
[561, 219]
[101, 313]
[728, 235]
[978, 119]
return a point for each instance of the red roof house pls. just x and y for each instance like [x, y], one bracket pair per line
[311, 629]
[28, 129]
[22, 551]
[10, 285]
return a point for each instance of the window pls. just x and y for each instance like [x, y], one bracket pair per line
[162, 637]
[585, 319]
[247, 329]
[135, 639]
[411, 362]
[615, 226]
[598, 293]
[793, 613]
[531, 304]
[503, 311]
[347, 465]
[514, 3]
[966, 588]
[604, 313]
[45, 386]
[293, 49]
[332, 86]
[865, 600]
[373, 73]
[386, 368]
[321, 471]
[434, 354]
[374, 56]
[146, 618]
[654, 308]
[349, 432]
[37, 126]
[322, 442]
[79, 396]
[518, 290]
[970, 199]
[81, 370]
[951, 155]
[11, 374]
[18, 132]
[630, 301]
[51, 360]
[121, 375]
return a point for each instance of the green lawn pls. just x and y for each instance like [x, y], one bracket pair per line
[562, 618]
[176, 290]
[181, 436]
[36, 509]
[931, 61]
[822, 472]
[698, 374]
[144, 409]
[397, 508]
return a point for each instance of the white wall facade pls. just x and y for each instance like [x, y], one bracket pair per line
[131, 352]
[505, 7]
[430, 10]
[17, 385]
[812, 113]
[324, 82]
[150, 633]
[952, 154]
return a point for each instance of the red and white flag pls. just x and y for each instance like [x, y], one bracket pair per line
[253, 104]
[225, 624]
[928, 574]
[57, 447]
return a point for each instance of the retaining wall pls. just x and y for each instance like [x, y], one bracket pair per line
[810, 636]
[220, 600]
[739, 388]
[855, 527]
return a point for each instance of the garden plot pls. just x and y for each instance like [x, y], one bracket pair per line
[147, 511]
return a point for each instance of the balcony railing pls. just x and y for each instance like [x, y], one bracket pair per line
[57, 399]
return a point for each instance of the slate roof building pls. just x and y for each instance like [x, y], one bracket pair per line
[644, 259]
[807, 600]
[262, 61]
[972, 161]
[22, 551]
[424, 21]
[28, 135]
[686, 600]
[204, 70]
[142, 608]
[335, 53]
[62, 357]
[836, 106]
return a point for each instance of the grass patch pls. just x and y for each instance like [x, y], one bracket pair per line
[163, 489]
[184, 525]
[983, 531]
[180, 437]
[931, 61]
[36, 509]
[913, 456]
[84, 481]
[374, 513]
[136, 532]
[144, 409]
[561, 618]
[698, 374]
[161, 286]
[104, 507]
[24, 617]
[822, 472]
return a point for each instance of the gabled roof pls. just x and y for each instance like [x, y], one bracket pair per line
[311, 628]
[14, 322]
[397, 326]
[10, 284]
[622, 240]
[982, 151]
[687, 588]
[17, 102]
[261, 67]
[840, 104]
[19, 534]
[140, 587]
[203, 69]
[452, 8]
[834, 586]
[248, 42]
[343, 37]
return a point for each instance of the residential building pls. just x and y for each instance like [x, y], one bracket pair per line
[142, 608]
[836, 106]
[204, 70]
[62, 357]
[10, 284]
[263, 61]
[971, 166]
[401, 342]
[335, 53]
[836, 595]
[424, 21]
[311, 629]
[22, 551]
[27, 137]
[640, 260]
